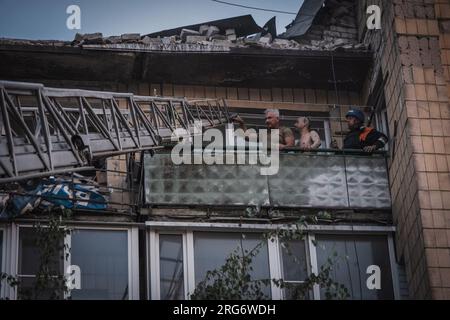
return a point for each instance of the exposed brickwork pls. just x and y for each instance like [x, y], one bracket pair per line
[411, 50]
[335, 25]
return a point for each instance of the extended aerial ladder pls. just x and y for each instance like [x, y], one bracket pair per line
[47, 131]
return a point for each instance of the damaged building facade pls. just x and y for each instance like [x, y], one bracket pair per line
[86, 125]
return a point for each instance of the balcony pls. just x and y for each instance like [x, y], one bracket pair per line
[323, 179]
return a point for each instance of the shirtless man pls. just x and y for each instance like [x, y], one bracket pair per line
[286, 136]
[309, 139]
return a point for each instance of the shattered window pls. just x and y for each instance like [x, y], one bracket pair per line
[351, 258]
[171, 267]
[102, 256]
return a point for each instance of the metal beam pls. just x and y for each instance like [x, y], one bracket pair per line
[58, 130]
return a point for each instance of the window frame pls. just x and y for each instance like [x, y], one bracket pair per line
[186, 229]
[153, 263]
[307, 243]
[19, 275]
[389, 237]
[3, 257]
[382, 124]
[8, 257]
[132, 253]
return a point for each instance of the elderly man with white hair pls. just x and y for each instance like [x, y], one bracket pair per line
[286, 136]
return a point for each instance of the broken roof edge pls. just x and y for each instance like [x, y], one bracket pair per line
[304, 19]
[251, 47]
[244, 25]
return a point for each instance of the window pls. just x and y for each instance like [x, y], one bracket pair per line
[1, 250]
[181, 259]
[354, 254]
[382, 124]
[102, 256]
[1, 258]
[212, 249]
[108, 270]
[29, 262]
[294, 266]
[171, 267]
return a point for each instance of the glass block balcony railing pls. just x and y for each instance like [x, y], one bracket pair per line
[334, 180]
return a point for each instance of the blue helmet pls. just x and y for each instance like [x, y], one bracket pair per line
[357, 114]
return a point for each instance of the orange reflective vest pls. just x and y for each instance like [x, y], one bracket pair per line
[364, 133]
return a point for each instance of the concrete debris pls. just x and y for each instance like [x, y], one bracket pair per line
[168, 40]
[113, 40]
[229, 32]
[195, 39]
[212, 31]
[267, 39]
[203, 29]
[131, 37]
[218, 37]
[187, 32]
[231, 37]
[282, 42]
[148, 40]
[91, 38]
[332, 30]
[223, 43]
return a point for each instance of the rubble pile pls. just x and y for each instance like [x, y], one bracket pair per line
[333, 28]
[206, 36]
[212, 36]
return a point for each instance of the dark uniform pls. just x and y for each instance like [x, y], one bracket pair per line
[365, 137]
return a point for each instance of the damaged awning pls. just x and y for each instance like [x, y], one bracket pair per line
[304, 19]
[243, 25]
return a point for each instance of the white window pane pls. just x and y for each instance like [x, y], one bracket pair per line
[212, 249]
[171, 267]
[102, 256]
[354, 255]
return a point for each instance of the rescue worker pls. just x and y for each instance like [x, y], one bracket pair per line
[361, 137]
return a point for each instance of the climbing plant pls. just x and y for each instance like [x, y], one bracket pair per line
[49, 282]
[233, 281]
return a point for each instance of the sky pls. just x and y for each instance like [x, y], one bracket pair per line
[46, 19]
